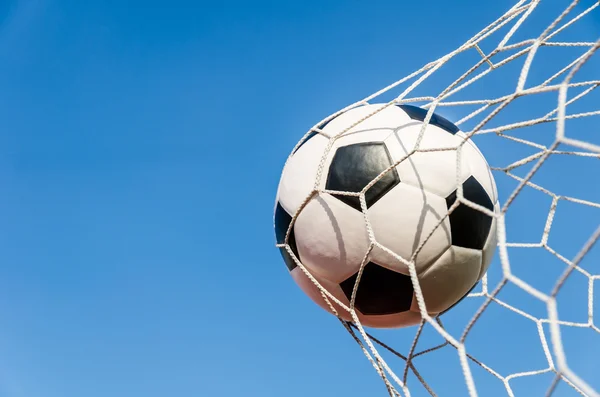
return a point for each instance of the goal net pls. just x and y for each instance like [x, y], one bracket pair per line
[525, 90]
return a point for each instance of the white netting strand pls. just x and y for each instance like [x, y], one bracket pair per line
[567, 77]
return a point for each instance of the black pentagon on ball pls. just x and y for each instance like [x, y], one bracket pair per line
[282, 223]
[380, 290]
[417, 113]
[470, 227]
[354, 166]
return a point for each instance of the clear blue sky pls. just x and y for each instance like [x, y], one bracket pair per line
[141, 144]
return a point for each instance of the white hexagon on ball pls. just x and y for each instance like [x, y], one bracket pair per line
[406, 209]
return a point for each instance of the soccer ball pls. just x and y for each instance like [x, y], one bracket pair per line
[330, 236]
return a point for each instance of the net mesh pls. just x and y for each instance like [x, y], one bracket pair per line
[539, 78]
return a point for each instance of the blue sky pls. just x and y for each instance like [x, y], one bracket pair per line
[142, 143]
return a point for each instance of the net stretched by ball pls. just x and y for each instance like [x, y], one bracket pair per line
[493, 151]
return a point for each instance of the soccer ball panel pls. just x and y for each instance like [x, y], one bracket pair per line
[331, 237]
[299, 174]
[480, 168]
[308, 138]
[449, 278]
[355, 166]
[380, 291]
[490, 245]
[470, 227]
[362, 149]
[312, 291]
[433, 171]
[282, 223]
[402, 220]
[396, 320]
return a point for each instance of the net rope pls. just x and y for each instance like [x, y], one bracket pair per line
[481, 116]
